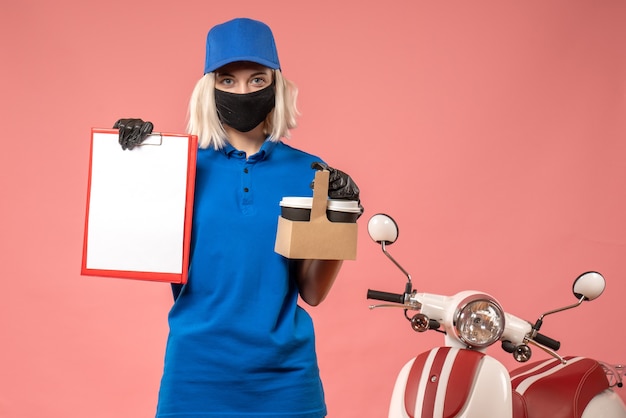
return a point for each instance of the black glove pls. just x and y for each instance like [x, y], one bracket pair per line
[132, 132]
[340, 185]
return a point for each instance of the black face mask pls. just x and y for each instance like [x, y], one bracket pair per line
[244, 112]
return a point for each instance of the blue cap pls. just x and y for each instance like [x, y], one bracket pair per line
[240, 39]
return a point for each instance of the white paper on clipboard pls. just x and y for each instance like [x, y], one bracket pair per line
[139, 207]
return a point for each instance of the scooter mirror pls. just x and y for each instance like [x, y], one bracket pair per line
[589, 285]
[382, 229]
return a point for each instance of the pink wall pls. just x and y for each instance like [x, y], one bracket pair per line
[495, 133]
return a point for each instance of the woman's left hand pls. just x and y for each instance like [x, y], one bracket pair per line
[340, 184]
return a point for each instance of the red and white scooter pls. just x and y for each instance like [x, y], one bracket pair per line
[459, 379]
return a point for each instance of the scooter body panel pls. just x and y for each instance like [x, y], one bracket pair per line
[607, 404]
[449, 382]
[577, 389]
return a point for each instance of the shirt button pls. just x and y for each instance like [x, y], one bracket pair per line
[245, 189]
[245, 170]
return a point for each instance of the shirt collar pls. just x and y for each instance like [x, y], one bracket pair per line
[264, 152]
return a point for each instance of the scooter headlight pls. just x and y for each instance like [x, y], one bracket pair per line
[479, 321]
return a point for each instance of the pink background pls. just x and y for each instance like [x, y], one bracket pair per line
[494, 132]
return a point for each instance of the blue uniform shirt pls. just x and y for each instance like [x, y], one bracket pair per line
[239, 345]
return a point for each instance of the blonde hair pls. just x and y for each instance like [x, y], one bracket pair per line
[204, 122]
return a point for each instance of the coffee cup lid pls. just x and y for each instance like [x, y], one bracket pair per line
[351, 206]
[337, 205]
[297, 202]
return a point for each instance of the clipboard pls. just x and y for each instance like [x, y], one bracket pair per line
[139, 207]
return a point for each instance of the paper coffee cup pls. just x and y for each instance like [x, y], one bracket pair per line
[299, 209]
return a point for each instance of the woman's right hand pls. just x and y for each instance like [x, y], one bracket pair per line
[132, 132]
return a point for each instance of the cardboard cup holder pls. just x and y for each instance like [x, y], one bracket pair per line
[317, 228]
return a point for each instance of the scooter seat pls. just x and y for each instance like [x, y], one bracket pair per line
[550, 389]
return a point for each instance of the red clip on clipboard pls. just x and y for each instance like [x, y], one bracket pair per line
[139, 207]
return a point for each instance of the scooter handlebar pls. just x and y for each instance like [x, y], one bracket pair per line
[547, 341]
[385, 296]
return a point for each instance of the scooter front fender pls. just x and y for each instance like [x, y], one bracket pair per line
[450, 382]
